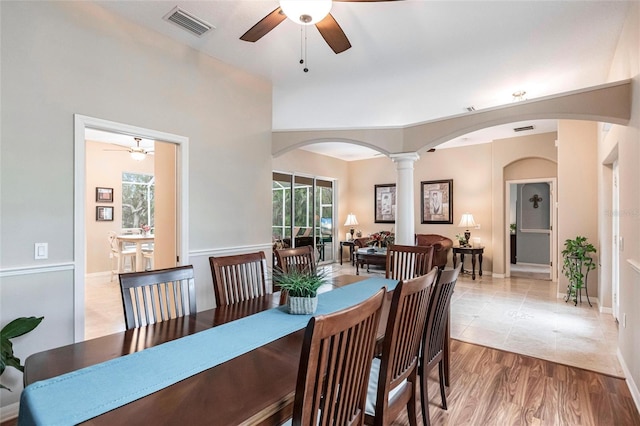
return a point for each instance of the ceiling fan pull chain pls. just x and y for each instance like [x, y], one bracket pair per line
[301, 45]
[305, 69]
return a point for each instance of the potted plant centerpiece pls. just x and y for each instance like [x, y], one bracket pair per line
[576, 265]
[302, 287]
[15, 328]
[381, 239]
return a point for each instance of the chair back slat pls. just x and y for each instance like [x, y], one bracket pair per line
[334, 365]
[239, 277]
[154, 296]
[299, 258]
[408, 262]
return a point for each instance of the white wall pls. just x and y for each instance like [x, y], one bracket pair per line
[623, 143]
[66, 58]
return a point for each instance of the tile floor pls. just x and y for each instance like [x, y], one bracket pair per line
[521, 315]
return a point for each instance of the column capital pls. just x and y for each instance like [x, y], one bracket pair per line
[404, 156]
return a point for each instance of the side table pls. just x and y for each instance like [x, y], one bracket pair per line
[473, 251]
[351, 244]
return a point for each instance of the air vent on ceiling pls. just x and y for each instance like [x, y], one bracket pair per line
[523, 129]
[187, 21]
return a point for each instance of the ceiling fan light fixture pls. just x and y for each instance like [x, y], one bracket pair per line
[306, 12]
[138, 155]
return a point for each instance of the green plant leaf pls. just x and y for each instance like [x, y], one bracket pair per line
[19, 326]
[15, 328]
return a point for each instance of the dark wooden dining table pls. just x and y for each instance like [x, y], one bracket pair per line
[254, 388]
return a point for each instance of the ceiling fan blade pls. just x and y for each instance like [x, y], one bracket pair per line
[333, 34]
[265, 25]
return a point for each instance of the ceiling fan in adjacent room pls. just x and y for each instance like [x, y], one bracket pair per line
[137, 152]
[305, 12]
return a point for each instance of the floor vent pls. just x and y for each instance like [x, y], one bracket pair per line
[187, 21]
[523, 129]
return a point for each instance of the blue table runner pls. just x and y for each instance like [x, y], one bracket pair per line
[89, 392]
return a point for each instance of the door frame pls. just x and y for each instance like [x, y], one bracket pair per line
[81, 122]
[615, 246]
[553, 237]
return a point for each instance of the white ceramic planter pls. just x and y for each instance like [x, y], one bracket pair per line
[302, 305]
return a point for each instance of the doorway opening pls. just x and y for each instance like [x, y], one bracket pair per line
[531, 240]
[135, 194]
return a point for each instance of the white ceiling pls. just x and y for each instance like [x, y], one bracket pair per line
[411, 61]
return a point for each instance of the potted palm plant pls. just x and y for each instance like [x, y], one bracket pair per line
[15, 328]
[302, 287]
[577, 263]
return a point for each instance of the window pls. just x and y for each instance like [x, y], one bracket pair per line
[137, 200]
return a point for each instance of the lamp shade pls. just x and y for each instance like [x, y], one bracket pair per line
[138, 155]
[467, 221]
[306, 12]
[351, 220]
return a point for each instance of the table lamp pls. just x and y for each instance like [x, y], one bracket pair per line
[467, 222]
[351, 221]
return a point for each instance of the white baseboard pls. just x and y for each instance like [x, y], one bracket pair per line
[494, 275]
[594, 300]
[9, 412]
[604, 310]
[633, 387]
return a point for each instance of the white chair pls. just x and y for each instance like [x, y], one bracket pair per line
[121, 255]
[147, 254]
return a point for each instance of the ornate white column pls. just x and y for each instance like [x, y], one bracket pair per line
[405, 216]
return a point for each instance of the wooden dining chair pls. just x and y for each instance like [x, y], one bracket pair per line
[435, 338]
[154, 296]
[337, 352]
[239, 277]
[407, 262]
[393, 380]
[300, 258]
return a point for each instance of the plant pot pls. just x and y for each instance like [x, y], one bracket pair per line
[302, 305]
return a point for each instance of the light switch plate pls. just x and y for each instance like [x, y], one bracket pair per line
[41, 251]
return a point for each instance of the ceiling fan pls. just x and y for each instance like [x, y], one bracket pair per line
[307, 12]
[137, 152]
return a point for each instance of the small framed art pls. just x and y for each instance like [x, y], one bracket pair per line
[436, 201]
[104, 195]
[104, 213]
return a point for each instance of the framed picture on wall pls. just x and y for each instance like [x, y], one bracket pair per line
[104, 213]
[104, 195]
[385, 203]
[436, 204]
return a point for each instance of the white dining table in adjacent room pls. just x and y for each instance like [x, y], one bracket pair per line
[139, 240]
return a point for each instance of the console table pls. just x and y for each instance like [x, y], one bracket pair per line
[473, 251]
